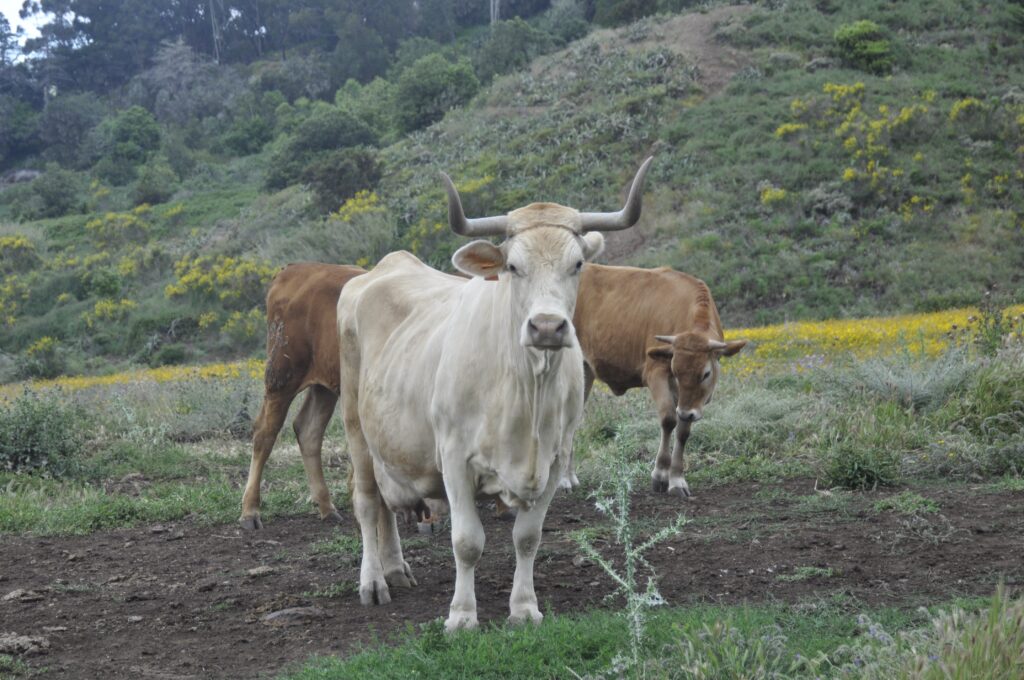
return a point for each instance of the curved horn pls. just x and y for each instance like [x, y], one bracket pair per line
[665, 338]
[716, 345]
[630, 213]
[480, 226]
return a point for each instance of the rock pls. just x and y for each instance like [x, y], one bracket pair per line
[158, 529]
[818, 64]
[257, 572]
[15, 645]
[580, 561]
[134, 619]
[294, 616]
[55, 629]
[22, 595]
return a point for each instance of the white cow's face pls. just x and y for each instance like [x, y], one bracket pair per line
[541, 264]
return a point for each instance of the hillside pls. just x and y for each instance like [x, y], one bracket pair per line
[807, 167]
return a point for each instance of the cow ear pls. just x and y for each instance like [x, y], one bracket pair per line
[593, 245]
[662, 352]
[732, 347]
[479, 258]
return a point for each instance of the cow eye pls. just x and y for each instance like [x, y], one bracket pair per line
[707, 374]
[512, 268]
[579, 265]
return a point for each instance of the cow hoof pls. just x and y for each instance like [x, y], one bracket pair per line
[251, 523]
[332, 517]
[460, 621]
[375, 592]
[679, 492]
[659, 485]
[428, 528]
[525, 616]
[400, 578]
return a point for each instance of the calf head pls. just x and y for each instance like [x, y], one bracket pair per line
[693, 357]
[541, 258]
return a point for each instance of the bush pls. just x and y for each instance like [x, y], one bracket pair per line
[248, 135]
[156, 184]
[430, 88]
[864, 45]
[510, 46]
[41, 433]
[65, 123]
[42, 359]
[340, 174]
[55, 193]
[566, 20]
[617, 12]
[120, 144]
[326, 129]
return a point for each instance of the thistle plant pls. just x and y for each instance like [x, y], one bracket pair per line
[613, 500]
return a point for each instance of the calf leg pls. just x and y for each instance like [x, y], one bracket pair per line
[677, 485]
[570, 480]
[268, 425]
[467, 544]
[310, 425]
[658, 381]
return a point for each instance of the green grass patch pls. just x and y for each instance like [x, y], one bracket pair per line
[805, 573]
[907, 503]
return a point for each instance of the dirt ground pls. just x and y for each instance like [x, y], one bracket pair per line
[188, 601]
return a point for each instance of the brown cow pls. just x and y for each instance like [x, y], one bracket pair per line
[302, 352]
[656, 328]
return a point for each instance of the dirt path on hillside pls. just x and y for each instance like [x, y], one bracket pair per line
[189, 601]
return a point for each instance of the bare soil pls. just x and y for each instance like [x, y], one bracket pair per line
[182, 600]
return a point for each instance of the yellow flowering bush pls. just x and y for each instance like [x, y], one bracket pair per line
[230, 280]
[362, 203]
[13, 292]
[242, 326]
[17, 253]
[787, 129]
[964, 107]
[772, 194]
[114, 229]
[108, 309]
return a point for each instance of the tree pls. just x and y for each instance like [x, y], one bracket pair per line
[65, 123]
[9, 47]
[430, 87]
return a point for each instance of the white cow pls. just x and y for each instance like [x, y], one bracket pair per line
[459, 389]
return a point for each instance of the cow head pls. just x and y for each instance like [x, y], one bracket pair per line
[693, 357]
[541, 258]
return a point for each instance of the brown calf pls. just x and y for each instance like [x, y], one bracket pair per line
[302, 352]
[659, 329]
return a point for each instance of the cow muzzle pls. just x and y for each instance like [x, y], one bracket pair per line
[688, 415]
[548, 331]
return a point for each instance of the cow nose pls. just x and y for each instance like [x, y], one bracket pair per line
[548, 331]
[688, 415]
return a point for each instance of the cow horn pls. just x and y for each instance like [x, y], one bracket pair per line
[714, 345]
[480, 226]
[630, 213]
[665, 338]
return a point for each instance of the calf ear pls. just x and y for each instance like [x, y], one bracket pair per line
[479, 258]
[593, 245]
[732, 347]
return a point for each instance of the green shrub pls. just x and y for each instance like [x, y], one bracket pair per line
[864, 45]
[327, 128]
[120, 144]
[41, 432]
[42, 359]
[55, 193]
[169, 355]
[340, 174]
[247, 136]
[156, 184]
[852, 465]
[509, 46]
[617, 12]
[430, 88]
[566, 20]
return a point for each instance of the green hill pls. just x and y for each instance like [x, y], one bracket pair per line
[814, 159]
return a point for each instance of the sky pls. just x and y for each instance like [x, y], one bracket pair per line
[10, 8]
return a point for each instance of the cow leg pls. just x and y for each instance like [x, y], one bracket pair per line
[396, 570]
[677, 485]
[570, 480]
[268, 425]
[659, 383]
[310, 425]
[526, 535]
[366, 498]
[467, 544]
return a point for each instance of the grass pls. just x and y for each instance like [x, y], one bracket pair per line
[805, 573]
[565, 645]
[907, 503]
